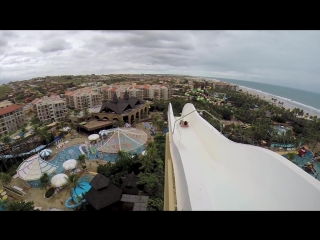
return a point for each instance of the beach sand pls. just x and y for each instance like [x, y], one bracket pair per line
[286, 103]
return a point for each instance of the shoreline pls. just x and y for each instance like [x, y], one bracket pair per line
[287, 104]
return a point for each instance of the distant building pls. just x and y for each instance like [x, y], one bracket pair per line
[50, 108]
[87, 97]
[11, 119]
[223, 85]
[156, 92]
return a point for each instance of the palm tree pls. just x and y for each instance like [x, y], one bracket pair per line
[82, 160]
[155, 120]
[5, 179]
[67, 115]
[161, 125]
[72, 182]
[44, 181]
[147, 164]
[86, 113]
[44, 135]
[6, 140]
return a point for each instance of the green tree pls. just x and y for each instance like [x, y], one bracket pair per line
[291, 156]
[19, 206]
[6, 140]
[150, 182]
[5, 179]
[72, 182]
[45, 181]
[82, 160]
[155, 204]
[86, 114]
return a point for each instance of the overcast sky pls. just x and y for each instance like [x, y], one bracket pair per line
[276, 57]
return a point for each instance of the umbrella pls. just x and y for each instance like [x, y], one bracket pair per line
[93, 137]
[103, 132]
[70, 164]
[45, 153]
[59, 180]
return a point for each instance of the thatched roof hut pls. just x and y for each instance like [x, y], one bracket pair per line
[103, 193]
[129, 185]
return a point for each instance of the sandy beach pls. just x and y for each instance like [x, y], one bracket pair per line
[286, 103]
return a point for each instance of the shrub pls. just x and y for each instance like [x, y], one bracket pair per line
[49, 192]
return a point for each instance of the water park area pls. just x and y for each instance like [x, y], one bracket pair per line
[83, 186]
[307, 161]
[99, 148]
[282, 129]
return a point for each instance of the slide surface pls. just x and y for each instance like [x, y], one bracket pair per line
[214, 173]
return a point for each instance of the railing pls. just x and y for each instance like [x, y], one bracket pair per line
[180, 119]
[220, 123]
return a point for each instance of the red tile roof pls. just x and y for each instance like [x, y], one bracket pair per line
[9, 109]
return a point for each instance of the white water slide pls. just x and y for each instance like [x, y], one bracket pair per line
[214, 173]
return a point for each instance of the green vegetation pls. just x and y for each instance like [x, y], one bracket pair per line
[72, 182]
[4, 89]
[82, 160]
[149, 169]
[5, 179]
[45, 181]
[19, 206]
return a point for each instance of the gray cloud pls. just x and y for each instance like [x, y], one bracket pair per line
[3, 42]
[277, 57]
[54, 45]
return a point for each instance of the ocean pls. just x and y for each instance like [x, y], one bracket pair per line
[308, 101]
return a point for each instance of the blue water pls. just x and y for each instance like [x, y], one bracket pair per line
[272, 145]
[73, 152]
[82, 188]
[299, 161]
[308, 101]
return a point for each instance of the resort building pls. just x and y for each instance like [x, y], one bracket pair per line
[11, 119]
[223, 85]
[50, 108]
[142, 92]
[213, 84]
[128, 109]
[204, 170]
[84, 98]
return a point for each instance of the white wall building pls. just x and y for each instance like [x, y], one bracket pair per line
[140, 91]
[87, 97]
[50, 108]
[11, 119]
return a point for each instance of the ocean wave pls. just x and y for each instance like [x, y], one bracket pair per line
[300, 105]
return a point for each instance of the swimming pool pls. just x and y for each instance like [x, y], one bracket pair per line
[82, 187]
[272, 145]
[74, 152]
[299, 161]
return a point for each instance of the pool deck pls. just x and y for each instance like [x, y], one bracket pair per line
[57, 201]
